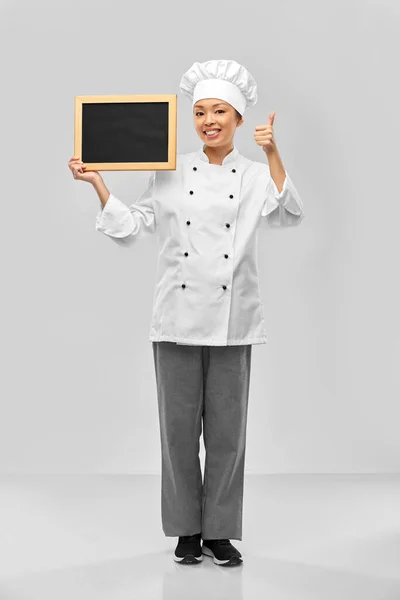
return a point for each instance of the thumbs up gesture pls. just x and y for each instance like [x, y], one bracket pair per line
[264, 135]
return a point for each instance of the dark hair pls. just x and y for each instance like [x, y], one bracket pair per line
[239, 116]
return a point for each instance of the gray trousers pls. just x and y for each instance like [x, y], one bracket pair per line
[206, 385]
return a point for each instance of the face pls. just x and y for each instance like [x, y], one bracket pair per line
[213, 113]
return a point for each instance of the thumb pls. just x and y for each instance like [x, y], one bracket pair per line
[271, 118]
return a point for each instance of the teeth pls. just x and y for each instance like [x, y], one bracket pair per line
[212, 132]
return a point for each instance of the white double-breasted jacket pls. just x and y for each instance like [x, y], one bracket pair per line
[206, 218]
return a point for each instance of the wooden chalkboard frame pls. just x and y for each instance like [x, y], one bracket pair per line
[129, 166]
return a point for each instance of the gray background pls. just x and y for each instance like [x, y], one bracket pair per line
[78, 388]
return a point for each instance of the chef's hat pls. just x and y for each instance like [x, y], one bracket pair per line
[223, 79]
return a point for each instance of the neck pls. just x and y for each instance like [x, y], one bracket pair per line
[216, 155]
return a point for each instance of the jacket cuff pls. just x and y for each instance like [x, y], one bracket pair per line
[115, 219]
[287, 198]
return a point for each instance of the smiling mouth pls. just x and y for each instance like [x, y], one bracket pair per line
[213, 133]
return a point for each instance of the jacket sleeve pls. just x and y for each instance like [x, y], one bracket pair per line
[285, 208]
[125, 224]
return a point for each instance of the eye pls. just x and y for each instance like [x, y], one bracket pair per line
[219, 110]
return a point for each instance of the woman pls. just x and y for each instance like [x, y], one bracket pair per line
[207, 310]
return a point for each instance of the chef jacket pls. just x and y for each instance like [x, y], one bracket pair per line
[206, 217]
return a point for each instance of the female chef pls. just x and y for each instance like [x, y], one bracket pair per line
[207, 310]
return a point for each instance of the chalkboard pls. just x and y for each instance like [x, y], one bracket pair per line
[126, 133]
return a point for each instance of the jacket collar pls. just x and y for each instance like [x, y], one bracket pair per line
[229, 158]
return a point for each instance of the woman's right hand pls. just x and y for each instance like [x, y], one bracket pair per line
[78, 170]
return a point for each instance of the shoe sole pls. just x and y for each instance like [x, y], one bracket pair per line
[233, 561]
[188, 559]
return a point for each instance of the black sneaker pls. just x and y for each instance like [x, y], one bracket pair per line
[223, 553]
[188, 550]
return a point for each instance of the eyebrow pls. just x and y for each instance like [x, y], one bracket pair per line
[218, 103]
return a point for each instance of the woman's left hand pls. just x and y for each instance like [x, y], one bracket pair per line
[264, 135]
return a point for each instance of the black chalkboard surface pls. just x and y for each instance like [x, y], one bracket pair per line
[126, 133]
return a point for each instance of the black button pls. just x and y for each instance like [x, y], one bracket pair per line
[191, 192]
[226, 256]
[233, 170]
[224, 286]
[186, 254]
[183, 285]
[187, 222]
[194, 168]
[230, 196]
[227, 224]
